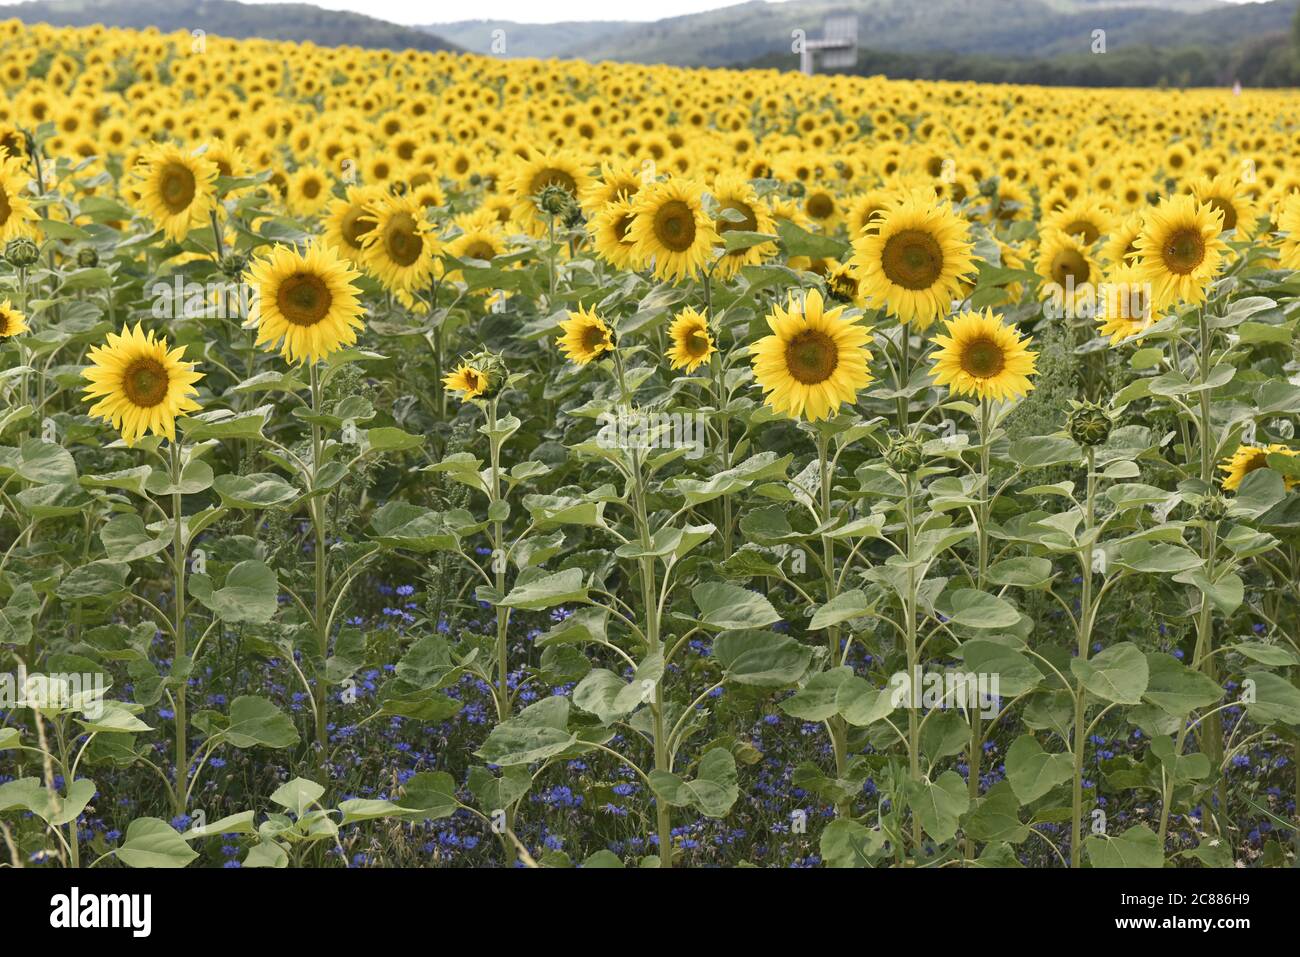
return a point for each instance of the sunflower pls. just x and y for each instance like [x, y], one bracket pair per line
[815, 360]
[1247, 459]
[914, 262]
[672, 229]
[1085, 218]
[348, 220]
[466, 380]
[1064, 260]
[1288, 222]
[1121, 247]
[982, 356]
[176, 189]
[744, 211]
[306, 305]
[1229, 198]
[586, 336]
[141, 385]
[562, 169]
[12, 322]
[1179, 250]
[609, 228]
[1123, 305]
[401, 250]
[17, 218]
[309, 191]
[692, 343]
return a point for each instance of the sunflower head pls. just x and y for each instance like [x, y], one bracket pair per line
[1179, 250]
[467, 380]
[12, 322]
[22, 253]
[141, 385]
[306, 305]
[1124, 304]
[915, 260]
[176, 189]
[585, 336]
[1249, 458]
[692, 344]
[815, 360]
[982, 356]
[672, 229]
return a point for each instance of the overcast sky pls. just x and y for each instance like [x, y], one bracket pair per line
[523, 11]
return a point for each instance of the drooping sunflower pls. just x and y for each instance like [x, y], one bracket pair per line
[12, 322]
[982, 356]
[585, 336]
[609, 227]
[914, 262]
[17, 217]
[672, 229]
[1123, 305]
[176, 189]
[814, 361]
[1180, 251]
[141, 385]
[401, 250]
[306, 304]
[466, 380]
[692, 343]
[1249, 458]
[348, 220]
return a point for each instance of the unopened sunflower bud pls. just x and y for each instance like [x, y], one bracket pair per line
[554, 200]
[796, 189]
[87, 257]
[1212, 508]
[905, 453]
[22, 253]
[233, 265]
[1089, 423]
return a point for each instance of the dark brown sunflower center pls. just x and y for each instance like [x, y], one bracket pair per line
[912, 259]
[697, 343]
[548, 177]
[811, 357]
[749, 224]
[304, 299]
[674, 225]
[480, 249]
[176, 187]
[1070, 264]
[1258, 460]
[1085, 230]
[6, 324]
[145, 382]
[1184, 251]
[820, 206]
[624, 226]
[982, 358]
[593, 338]
[1229, 212]
[5, 208]
[311, 188]
[355, 226]
[401, 241]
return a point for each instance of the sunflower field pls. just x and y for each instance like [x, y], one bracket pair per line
[438, 460]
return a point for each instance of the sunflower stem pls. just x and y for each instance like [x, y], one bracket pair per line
[178, 583]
